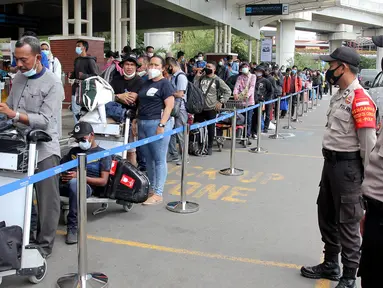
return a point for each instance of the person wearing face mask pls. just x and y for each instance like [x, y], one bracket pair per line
[142, 70]
[54, 63]
[84, 67]
[149, 51]
[233, 64]
[244, 90]
[292, 84]
[200, 64]
[278, 77]
[216, 93]
[222, 71]
[156, 102]
[97, 174]
[34, 103]
[182, 61]
[348, 140]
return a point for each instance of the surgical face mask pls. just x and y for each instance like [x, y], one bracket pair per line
[220, 63]
[78, 50]
[150, 55]
[46, 52]
[330, 77]
[85, 145]
[129, 76]
[182, 60]
[141, 73]
[294, 71]
[259, 74]
[154, 73]
[245, 70]
[200, 58]
[31, 72]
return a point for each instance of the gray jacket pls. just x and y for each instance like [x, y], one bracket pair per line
[218, 92]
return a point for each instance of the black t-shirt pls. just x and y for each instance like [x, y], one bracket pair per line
[263, 90]
[120, 85]
[151, 99]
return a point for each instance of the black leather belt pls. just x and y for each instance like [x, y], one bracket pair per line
[340, 156]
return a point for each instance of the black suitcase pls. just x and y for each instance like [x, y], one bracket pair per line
[127, 183]
[11, 239]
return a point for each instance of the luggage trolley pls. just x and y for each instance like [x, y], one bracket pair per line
[15, 207]
[222, 128]
[108, 136]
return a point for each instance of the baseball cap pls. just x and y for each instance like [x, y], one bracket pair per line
[343, 54]
[81, 129]
[378, 40]
[130, 58]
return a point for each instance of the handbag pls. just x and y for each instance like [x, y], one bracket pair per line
[244, 94]
[284, 105]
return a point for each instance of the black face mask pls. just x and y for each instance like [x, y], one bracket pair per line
[170, 70]
[208, 71]
[331, 78]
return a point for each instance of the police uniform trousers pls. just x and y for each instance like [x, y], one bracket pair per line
[372, 246]
[340, 206]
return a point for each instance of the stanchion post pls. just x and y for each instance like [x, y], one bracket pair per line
[289, 127]
[259, 149]
[297, 108]
[276, 135]
[305, 105]
[82, 279]
[316, 101]
[232, 171]
[310, 107]
[183, 206]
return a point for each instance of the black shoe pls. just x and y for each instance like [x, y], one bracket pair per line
[326, 270]
[71, 237]
[209, 151]
[346, 283]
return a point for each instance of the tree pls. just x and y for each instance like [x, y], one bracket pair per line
[367, 63]
[193, 42]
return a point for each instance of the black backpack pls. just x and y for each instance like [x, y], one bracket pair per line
[11, 239]
[195, 97]
[198, 140]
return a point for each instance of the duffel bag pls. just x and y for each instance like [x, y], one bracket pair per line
[11, 240]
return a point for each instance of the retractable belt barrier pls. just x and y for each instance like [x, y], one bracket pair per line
[22, 183]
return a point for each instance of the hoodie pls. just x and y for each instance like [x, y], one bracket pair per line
[87, 65]
[54, 64]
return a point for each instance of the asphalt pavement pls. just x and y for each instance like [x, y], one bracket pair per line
[254, 230]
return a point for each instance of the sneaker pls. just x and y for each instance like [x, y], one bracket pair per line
[71, 237]
[346, 283]
[154, 200]
[210, 151]
[326, 270]
[254, 136]
[172, 159]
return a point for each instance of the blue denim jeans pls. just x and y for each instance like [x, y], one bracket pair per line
[155, 153]
[70, 190]
[180, 121]
[249, 121]
[76, 109]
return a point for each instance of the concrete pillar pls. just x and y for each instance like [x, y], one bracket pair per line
[133, 19]
[229, 38]
[334, 44]
[89, 17]
[118, 25]
[113, 25]
[124, 29]
[220, 40]
[216, 31]
[285, 42]
[77, 17]
[65, 16]
[257, 52]
[250, 49]
[224, 38]
[20, 10]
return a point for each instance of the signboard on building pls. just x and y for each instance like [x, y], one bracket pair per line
[267, 9]
[266, 50]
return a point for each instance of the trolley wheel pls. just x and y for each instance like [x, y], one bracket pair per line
[40, 275]
[127, 207]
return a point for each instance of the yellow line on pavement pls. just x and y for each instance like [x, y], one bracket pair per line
[281, 154]
[188, 252]
[322, 283]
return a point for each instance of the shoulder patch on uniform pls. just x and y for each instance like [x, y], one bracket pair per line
[363, 110]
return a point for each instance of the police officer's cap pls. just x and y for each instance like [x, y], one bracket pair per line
[378, 40]
[343, 54]
[260, 68]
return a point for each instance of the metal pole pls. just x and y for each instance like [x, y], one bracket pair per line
[289, 127]
[298, 104]
[65, 17]
[183, 206]
[89, 16]
[316, 101]
[118, 25]
[77, 17]
[133, 19]
[83, 279]
[113, 26]
[276, 135]
[310, 107]
[232, 171]
[259, 149]
[126, 137]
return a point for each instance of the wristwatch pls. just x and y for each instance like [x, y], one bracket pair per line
[17, 117]
[161, 125]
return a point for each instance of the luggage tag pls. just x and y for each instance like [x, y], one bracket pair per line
[151, 92]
